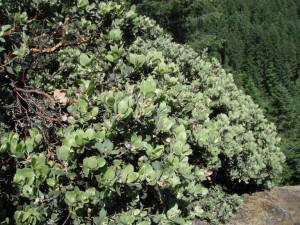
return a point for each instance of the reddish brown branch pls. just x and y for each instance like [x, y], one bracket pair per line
[49, 119]
[11, 30]
[47, 50]
[62, 41]
[60, 44]
[35, 91]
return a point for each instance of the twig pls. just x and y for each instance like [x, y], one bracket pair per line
[62, 41]
[50, 119]
[11, 30]
[7, 106]
[35, 91]
[67, 219]
[60, 44]
[47, 50]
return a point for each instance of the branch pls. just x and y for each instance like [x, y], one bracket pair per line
[62, 41]
[35, 91]
[60, 44]
[49, 119]
[11, 30]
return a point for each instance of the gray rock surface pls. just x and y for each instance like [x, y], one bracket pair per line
[280, 206]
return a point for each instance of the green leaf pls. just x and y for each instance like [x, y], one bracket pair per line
[158, 168]
[178, 220]
[132, 177]
[203, 137]
[144, 223]
[110, 101]
[102, 213]
[154, 153]
[148, 87]
[101, 162]
[89, 134]
[51, 182]
[29, 145]
[108, 145]
[177, 147]
[79, 138]
[82, 4]
[91, 192]
[198, 211]
[173, 212]
[109, 174]
[25, 216]
[163, 123]
[25, 175]
[110, 58]
[35, 135]
[94, 111]
[126, 219]
[155, 58]
[82, 105]
[180, 133]
[5, 27]
[115, 35]
[129, 169]
[72, 109]
[137, 60]
[19, 149]
[28, 191]
[123, 106]
[10, 70]
[91, 87]
[71, 197]
[63, 152]
[92, 163]
[87, 86]
[85, 23]
[147, 173]
[84, 60]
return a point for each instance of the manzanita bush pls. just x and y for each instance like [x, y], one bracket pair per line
[104, 120]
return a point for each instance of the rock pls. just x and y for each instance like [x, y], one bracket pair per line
[280, 206]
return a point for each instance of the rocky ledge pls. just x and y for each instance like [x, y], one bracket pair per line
[279, 206]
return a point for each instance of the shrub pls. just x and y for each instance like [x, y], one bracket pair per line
[107, 121]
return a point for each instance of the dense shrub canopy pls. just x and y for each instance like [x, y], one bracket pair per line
[104, 120]
[259, 41]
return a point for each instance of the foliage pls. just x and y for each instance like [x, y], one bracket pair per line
[259, 42]
[107, 121]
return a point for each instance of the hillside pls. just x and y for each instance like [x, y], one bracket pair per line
[106, 120]
[259, 42]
